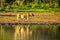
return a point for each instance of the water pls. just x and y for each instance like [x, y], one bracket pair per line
[28, 32]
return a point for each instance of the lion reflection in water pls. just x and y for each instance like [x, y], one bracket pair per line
[22, 33]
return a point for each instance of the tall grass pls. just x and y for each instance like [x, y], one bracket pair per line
[36, 5]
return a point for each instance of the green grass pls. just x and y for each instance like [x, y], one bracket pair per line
[29, 9]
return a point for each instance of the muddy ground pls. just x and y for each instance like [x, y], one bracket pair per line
[33, 17]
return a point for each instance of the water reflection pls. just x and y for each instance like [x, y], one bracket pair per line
[21, 33]
[28, 32]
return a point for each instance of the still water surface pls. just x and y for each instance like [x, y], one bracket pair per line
[26, 32]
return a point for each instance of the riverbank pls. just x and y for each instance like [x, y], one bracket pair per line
[30, 17]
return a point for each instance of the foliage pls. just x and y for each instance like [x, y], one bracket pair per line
[28, 5]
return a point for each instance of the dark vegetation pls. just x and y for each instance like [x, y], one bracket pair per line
[29, 5]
